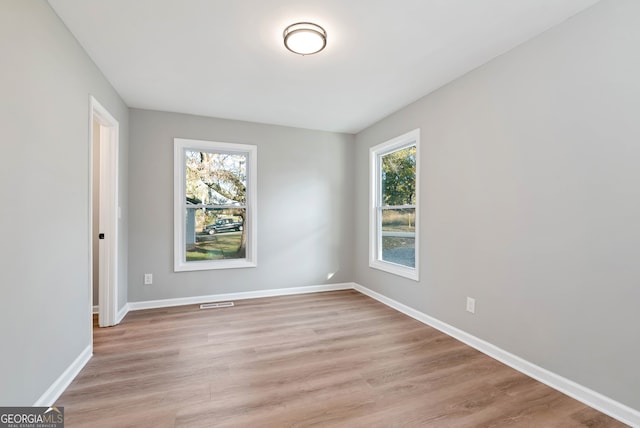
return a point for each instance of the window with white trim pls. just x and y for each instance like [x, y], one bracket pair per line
[214, 205]
[393, 220]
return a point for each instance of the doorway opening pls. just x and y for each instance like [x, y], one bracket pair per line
[104, 213]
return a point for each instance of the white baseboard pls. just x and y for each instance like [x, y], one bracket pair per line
[581, 393]
[164, 303]
[122, 313]
[57, 388]
[119, 316]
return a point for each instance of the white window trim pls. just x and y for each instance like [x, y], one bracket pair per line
[375, 153]
[179, 215]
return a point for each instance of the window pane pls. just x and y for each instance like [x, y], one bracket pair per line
[215, 234]
[399, 177]
[216, 178]
[399, 236]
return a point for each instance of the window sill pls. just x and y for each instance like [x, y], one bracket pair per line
[403, 271]
[213, 265]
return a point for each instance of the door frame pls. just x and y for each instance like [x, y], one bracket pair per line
[108, 213]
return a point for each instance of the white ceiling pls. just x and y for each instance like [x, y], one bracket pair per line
[226, 59]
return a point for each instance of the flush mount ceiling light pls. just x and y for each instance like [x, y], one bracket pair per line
[305, 38]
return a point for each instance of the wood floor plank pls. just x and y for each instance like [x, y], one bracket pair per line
[335, 359]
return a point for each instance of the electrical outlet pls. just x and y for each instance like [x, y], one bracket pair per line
[471, 305]
[148, 279]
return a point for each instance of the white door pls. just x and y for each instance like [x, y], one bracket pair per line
[107, 175]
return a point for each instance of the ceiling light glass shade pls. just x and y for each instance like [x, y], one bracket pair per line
[305, 38]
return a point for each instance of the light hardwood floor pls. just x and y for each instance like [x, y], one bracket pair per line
[325, 359]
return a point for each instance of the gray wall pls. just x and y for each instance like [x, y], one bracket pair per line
[45, 82]
[305, 206]
[530, 201]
